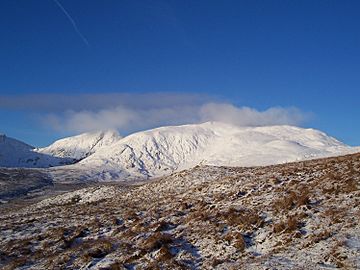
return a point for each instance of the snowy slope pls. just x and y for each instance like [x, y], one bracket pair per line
[164, 150]
[107, 156]
[291, 216]
[80, 146]
[14, 153]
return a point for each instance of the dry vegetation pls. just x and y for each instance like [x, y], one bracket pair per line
[294, 216]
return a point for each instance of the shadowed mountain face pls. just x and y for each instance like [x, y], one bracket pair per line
[14, 153]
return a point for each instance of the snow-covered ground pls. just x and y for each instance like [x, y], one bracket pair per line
[303, 215]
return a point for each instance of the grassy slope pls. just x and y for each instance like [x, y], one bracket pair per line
[297, 215]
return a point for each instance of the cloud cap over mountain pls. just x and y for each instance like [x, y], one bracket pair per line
[132, 112]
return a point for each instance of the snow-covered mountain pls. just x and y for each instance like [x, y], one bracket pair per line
[81, 146]
[164, 150]
[14, 153]
[160, 151]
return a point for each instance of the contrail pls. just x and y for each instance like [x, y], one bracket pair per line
[72, 22]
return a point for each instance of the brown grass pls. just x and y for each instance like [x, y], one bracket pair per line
[245, 219]
[292, 200]
[289, 225]
[157, 240]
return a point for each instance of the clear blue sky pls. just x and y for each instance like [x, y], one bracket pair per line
[250, 53]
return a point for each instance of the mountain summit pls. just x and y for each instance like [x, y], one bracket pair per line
[81, 146]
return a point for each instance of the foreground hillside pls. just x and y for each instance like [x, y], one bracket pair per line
[294, 216]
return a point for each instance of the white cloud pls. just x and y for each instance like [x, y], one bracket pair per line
[123, 118]
[127, 112]
[127, 119]
[245, 116]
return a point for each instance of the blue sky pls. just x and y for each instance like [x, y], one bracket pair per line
[259, 54]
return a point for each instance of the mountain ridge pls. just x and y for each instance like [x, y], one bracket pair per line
[163, 150]
[104, 155]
